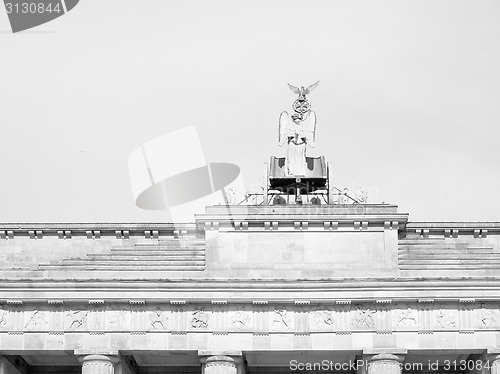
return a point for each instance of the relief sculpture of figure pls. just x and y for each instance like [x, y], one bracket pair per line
[298, 131]
[3, 316]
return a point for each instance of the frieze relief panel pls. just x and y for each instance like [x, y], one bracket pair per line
[487, 316]
[36, 319]
[158, 318]
[240, 318]
[405, 317]
[3, 317]
[282, 318]
[118, 317]
[340, 317]
[77, 318]
[322, 318]
[199, 318]
[363, 317]
[445, 317]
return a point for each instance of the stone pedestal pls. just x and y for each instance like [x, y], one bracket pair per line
[385, 363]
[98, 364]
[301, 241]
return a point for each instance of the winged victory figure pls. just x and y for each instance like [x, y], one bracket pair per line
[298, 131]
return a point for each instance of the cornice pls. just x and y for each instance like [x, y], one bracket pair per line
[256, 284]
[40, 229]
[37, 230]
[453, 229]
[237, 291]
[444, 225]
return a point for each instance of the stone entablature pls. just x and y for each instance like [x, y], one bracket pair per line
[344, 324]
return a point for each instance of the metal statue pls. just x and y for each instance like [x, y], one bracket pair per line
[298, 131]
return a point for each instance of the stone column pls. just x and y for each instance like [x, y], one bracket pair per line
[221, 363]
[98, 364]
[385, 363]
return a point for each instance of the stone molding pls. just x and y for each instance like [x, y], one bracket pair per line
[223, 360]
[387, 357]
[66, 231]
[258, 318]
[98, 359]
[452, 229]
[358, 219]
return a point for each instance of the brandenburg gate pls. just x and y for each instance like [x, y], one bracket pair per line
[299, 282]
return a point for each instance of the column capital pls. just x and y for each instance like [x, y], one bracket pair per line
[97, 363]
[377, 351]
[235, 357]
[93, 356]
[386, 357]
[493, 356]
[396, 354]
[220, 360]
[384, 361]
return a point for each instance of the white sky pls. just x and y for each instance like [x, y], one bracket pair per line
[408, 104]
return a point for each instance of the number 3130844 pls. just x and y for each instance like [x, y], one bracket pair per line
[32, 8]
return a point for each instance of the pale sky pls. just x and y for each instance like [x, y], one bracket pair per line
[407, 106]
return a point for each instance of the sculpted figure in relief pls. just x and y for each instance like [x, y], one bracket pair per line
[443, 319]
[239, 319]
[200, 319]
[342, 198]
[158, 318]
[280, 318]
[364, 317]
[487, 316]
[323, 317]
[36, 320]
[78, 317]
[3, 316]
[119, 315]
[407, 318]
